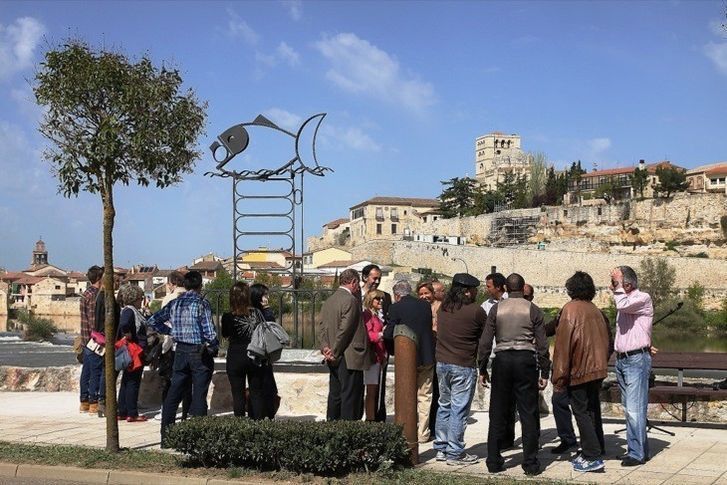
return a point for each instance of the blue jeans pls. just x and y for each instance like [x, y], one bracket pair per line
[456, 389]
[191, 366]
[632, 374]
[129, 393]
[91, 377]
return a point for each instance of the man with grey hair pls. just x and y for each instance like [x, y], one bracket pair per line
[417, 315]
[345, 348]
[634, 318]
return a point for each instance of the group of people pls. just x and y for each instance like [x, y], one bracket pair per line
[503, 340]
[180, 340]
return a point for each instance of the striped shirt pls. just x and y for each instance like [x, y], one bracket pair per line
[633, 320]
[191, 319]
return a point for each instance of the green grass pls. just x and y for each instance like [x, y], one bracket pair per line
[160, 462]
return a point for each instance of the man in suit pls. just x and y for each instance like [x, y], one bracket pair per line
[417, 315]
[345, 348]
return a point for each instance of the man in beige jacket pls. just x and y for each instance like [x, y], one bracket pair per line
[345, 348]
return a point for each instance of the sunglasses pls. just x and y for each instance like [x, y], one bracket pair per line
[378, 298]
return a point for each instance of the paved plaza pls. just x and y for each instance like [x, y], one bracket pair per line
[696, 454]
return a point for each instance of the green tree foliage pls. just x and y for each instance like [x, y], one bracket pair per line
[671, 179]
[552, 189]
[609, 190]
[112, 120]
[538, 179]
[458, 197]
[656, 277]
[639, 180]
[217, 292]
[695, 294]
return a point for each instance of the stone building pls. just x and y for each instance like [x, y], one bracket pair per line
[390, 217]
[708, 178]
[497, 154]
[591, 181]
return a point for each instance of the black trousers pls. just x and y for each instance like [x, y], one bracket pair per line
[586, 405]
[514, 375]
[563, 418]
[345, 392]
[241, 370]
[381, 401]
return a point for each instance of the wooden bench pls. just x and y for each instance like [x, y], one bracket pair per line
[681, 362]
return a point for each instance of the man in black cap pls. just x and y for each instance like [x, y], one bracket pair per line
[521, 351]
[459, 325]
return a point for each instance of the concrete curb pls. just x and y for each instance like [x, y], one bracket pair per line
[109, 477]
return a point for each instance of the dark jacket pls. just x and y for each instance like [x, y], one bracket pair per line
[127, 325]
[417, 315]
[581, 345]
[101, 312]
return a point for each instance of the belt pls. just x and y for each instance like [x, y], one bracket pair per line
[623, 355]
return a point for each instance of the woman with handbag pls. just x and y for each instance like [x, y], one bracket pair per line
[132, 331]
[238, 326]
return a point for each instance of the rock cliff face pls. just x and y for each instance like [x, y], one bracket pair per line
[684, 225]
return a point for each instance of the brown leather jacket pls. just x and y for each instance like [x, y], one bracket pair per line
[582, 345]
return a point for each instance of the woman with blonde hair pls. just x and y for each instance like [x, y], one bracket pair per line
[375, 330]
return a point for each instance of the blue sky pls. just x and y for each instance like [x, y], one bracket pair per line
[407, 87]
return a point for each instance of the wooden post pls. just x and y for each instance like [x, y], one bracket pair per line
[405, 397]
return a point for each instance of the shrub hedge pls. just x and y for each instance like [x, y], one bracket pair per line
[323, 448]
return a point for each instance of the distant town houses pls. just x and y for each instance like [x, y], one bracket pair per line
[708, 178]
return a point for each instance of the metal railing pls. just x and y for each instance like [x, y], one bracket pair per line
[297, 310]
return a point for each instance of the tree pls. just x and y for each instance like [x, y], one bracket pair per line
[639, 180]
[609, 190]
[458, 197]
[552, 196]
[671, 179]
[538, 178]
[218, 291]
[110, 121]
[656, 277]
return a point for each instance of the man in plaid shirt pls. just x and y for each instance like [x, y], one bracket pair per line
[92, 363]
[197, 345]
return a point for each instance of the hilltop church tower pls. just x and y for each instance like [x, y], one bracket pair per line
[497, 154]
[40, 254]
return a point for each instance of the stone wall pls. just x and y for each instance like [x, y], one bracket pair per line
[691, 220]
[66, 314]
[548, 270]
[379, 252]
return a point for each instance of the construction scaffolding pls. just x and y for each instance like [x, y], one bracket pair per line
[508, 229]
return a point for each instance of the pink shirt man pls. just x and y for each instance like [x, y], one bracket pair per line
[633, 321]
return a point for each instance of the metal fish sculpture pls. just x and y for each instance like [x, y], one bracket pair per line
[235, 140]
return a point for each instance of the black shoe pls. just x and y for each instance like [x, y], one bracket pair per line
[563, 447]
[500, 467]
[630, 461]
[532, 471]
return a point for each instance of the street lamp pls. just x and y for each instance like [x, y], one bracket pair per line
[466, 269]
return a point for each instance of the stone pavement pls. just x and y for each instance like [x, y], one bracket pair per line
[696, 454]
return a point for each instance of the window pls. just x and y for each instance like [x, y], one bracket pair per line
[357, 213]
[394, 214]
[565, 213]
[378, 228]
[379, 214]
[404, 211]
[599, 211]
[393, 229]
[58, 287]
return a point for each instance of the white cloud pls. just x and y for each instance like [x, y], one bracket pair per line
[717, 51]
[265, 59]
[22, 172]
[295, 9]
[348, 138]
[24, 98]
[284, 119]
[18, 42]
[597, 146]
[288, 54]
[238, 28]
[359, 67]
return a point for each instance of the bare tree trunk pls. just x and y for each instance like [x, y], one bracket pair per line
[109, 213]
